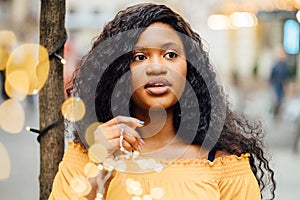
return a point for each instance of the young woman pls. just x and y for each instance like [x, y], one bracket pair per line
[149, 82]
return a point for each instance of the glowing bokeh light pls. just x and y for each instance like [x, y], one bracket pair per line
[121, 166]
[100, 167]
[291, 39]
[133, 186]
[7, 38]
[4, 163]
[157, 193]
[17, 85]
[91, 170]
[138, 191]
[218, 22]
[158, 167]
[97, 153]
[73, 109]
[7, 42]
[243, 19]
[99, 195]
[12, 116]
[298, 16]
[109, 164]
[134, 163]
[89, 133]
[81, 185]
[33, 60]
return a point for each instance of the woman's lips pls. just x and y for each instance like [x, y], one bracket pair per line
[158, 86]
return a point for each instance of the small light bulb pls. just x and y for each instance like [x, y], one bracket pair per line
[35, 91]
[63, 61]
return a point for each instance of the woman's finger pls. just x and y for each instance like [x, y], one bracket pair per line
[130, 121]
[109, 132]
[133, 141]
[114, 132]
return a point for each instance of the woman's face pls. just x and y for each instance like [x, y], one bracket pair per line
[158, 67]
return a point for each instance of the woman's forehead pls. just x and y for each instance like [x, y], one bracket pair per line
[158, 35]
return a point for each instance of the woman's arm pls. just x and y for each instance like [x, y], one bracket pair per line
[72, 166]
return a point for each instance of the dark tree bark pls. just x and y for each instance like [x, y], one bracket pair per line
[52, 33]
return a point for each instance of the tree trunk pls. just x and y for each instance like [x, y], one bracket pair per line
[52, 33]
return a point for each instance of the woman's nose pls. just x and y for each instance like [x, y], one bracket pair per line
[156, 67]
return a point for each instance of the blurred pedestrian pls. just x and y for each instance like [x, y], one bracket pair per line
[279, 77]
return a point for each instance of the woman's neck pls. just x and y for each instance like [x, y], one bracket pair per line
[158, 130]
[159, 134]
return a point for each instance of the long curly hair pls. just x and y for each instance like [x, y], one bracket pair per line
[103, 82]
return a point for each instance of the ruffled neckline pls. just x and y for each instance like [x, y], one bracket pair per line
[192, 161]
[221, 160]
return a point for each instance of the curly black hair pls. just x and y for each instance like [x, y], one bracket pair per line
[202, 115]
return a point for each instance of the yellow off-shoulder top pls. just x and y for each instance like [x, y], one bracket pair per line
[226, 178]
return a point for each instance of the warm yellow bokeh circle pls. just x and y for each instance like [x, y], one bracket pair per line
[17, 85]
[7, 42]
[4, 163]
[89, 133]
[12, 116]
[33, 60]
[73, 109]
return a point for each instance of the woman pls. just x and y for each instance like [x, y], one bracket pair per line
[157, 94]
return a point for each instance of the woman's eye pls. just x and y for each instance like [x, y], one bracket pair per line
[139, 57]
[171, 55]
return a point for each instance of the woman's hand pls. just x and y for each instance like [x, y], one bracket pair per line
[109, 134]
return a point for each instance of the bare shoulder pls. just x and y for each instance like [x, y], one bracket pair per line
[222, 154]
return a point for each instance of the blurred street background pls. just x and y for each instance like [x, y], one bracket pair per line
[243, 38]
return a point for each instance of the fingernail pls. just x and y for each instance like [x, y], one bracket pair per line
[139, 148]
[142, 141]
[140, 122]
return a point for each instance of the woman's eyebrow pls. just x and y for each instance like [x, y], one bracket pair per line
[163, 46]
[170, 44]
[139, 48]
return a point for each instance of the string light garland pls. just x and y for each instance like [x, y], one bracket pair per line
[62, 60]
[46, 129]
[55, 53]
[33, 130]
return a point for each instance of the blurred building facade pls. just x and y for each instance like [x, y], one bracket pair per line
[235, 49]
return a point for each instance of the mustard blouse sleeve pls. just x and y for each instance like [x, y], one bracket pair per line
[240, 187]
[238, 181]
[72, 165]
